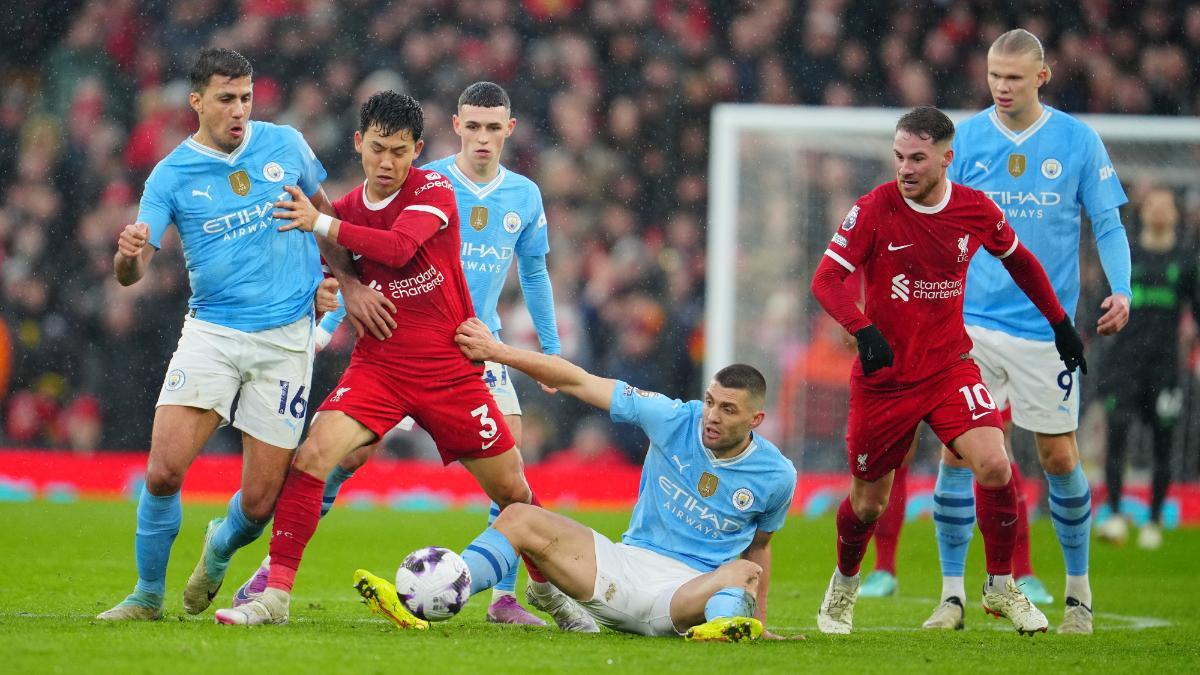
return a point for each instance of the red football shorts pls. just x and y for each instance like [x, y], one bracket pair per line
[882, 423]
[456, 409]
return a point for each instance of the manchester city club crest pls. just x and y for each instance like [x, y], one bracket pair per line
[175, 380]
[273, 172]
[1016, 165]
[743, 499]
[240, 182]
[707, 485]
[479, 218]
[1051, 168]
[512, 222]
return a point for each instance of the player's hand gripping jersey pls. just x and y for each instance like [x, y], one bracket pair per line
[416, 266]
[915, 261]
[244, 273]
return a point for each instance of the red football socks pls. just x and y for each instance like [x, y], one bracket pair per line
[534, 573]
[996, 512]
[887, 528]
[853, 535]
[1021, 564]
[296, 516]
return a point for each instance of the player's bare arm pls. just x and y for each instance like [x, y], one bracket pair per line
[325, 298]
[759, 552]
[1116, 314]
[476, 342]
[133, 253]
[368, 309]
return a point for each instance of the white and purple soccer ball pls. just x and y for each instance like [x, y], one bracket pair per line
[433, 583]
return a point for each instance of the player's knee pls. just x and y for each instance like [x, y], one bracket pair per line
[511, 493]
[514, 521]
[993, 471]
[1059, 462]
[868, 508]
[163, 480]
[257, 507]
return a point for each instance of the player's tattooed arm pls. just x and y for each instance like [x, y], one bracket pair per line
[134, 252]
[476, 342]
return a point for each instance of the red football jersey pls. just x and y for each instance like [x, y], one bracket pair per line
[429, 290]
[914, 260]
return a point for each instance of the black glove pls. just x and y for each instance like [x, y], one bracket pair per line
[1069, 346]
[873, 349]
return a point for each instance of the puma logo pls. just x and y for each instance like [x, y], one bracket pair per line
[207, 189]
[982, 166]
[679, 464]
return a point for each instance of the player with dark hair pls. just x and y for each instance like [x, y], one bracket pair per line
[403, 223]
[501, 217]
[914, 239]
[1140, 384]
[696, 559]
[249, 328]
[1041, 167]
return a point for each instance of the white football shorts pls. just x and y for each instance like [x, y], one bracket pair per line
[495, 376]
[634, 587]
[1030, 376]
[270, 369]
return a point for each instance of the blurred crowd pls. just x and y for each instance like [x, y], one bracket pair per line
[612, 101]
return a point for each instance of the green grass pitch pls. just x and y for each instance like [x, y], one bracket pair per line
[63, 563]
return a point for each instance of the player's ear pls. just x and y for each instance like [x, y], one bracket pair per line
[358, 141]
[1043, 76]
[512, 124]
[757, 419]
[194, 100]
[456, 124]
[948, 157]
[418, 147]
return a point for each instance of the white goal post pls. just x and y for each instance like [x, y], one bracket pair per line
[781, 178]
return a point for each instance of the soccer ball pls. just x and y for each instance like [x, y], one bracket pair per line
[433, 583]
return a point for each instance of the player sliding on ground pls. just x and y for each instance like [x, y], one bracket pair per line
[914, 238]
[403, 221]
[696, 559]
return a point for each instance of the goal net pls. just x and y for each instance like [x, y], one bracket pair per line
[782, 178]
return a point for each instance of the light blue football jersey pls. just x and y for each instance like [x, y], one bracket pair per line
[1040, 178]
[498, 220]
[244, 273]
[692, 507]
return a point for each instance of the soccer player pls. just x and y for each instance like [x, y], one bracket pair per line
[249, 327]
[1141, 380]
[501, 217]
[1040, 166]
[914, 239]
[403, 222]
[696, 559]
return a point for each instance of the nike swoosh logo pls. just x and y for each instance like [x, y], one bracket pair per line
[485, 446]
[982, 414]
[1009, 523]
[893, 247]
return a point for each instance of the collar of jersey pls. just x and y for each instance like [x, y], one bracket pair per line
[712, 459]
[936, 208]
[229, 158]
[480, 191]
[382, 203]
[1019, 138]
